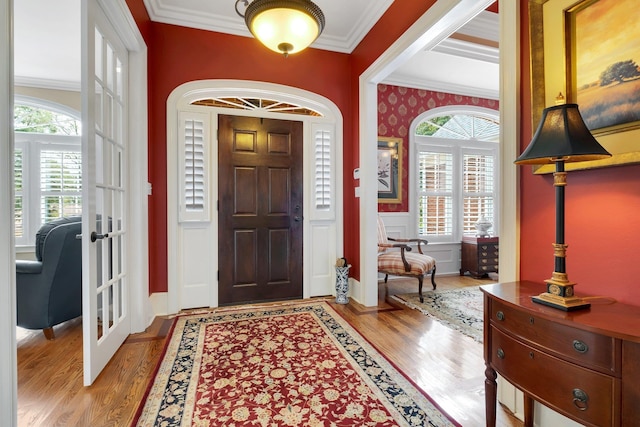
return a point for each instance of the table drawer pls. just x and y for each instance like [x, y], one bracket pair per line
[572, 390]
[488, 268]
[488, 251]
[588, 349]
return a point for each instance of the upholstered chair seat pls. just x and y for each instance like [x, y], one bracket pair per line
[397, 258]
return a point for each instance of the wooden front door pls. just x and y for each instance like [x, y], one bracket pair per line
[260, 209]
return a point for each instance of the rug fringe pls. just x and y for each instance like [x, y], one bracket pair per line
[258, 306]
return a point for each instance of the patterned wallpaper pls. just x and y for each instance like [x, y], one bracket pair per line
[397, 107]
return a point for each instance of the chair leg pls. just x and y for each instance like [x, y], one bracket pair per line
[386, 276]
[420, 288]
[48, 333]
[433, 277]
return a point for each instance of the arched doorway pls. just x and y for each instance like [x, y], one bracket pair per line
[192, 274]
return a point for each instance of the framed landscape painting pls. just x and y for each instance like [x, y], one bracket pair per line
[604, 50]
[389, 167]
[587, 52]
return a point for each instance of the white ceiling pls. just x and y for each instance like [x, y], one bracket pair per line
[47, 42]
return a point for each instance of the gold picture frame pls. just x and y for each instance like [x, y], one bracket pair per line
[389, 170]
[554, 69]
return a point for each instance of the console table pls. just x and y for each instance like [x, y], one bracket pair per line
[479, 256]
[584, 364]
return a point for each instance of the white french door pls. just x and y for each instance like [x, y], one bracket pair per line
[105, 287]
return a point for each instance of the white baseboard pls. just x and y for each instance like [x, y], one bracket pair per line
[160, 303]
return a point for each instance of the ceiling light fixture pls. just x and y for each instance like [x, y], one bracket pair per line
[284, 26]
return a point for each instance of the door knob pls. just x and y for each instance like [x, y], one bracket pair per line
[95, 236]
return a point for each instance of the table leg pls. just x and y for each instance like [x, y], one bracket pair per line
[528, 410]
[490, 392]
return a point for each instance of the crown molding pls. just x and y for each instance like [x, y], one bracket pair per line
[486, 26]
[456, 89]
[47, 83]
[161, 11]
[469, 50]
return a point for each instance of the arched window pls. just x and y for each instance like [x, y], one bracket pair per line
[456, 163]
[47, 166]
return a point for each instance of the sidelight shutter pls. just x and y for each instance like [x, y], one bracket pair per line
[324, 172]
[194, 166]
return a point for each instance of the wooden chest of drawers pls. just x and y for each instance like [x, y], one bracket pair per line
[479, 256]
[583, 364]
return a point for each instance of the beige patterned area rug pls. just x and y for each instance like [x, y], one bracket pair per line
[294, 365]
[460, 309]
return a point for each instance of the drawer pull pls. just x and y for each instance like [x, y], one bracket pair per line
[500, 315]
[531, 355]
[500, 353]
[580, 346]
[531, 320]
[580, 399]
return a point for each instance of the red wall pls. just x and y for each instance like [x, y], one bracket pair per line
[602, 204]
[177, 55]
[602, 221]
[398, 107]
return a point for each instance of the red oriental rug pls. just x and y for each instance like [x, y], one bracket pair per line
[292, 365]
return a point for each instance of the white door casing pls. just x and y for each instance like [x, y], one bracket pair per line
[8, 358]
[192, 239]
[437, 23]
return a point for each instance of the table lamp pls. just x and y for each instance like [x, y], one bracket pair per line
[561, 137]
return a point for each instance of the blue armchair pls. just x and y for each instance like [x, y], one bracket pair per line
[49, 290]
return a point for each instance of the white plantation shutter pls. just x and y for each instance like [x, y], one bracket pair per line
[478, 189]
[19, 207]
[60, 184]
[435, 194]
[324, 172]
[194, 187]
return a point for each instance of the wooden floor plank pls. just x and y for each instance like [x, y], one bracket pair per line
[446, 364]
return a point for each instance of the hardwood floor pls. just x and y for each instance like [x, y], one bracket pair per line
[446, 364]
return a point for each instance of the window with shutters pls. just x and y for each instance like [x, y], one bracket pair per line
[456, 165]
[194, 195]
[47, 168]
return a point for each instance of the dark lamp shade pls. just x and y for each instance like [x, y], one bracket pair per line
[562, 135]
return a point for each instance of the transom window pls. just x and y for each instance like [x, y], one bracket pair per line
[47, 168]
[456, 162]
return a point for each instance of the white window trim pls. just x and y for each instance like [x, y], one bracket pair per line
[31, 145]
[459, 147]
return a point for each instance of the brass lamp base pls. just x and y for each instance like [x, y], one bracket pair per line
[561, 303]
[560, 294]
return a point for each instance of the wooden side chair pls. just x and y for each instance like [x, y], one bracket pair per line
[404, 262]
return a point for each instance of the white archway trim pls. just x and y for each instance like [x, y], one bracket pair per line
[181, 99]
[487, 113]
[438, 22]
[44, 104]
[470, 110]
[187, 93]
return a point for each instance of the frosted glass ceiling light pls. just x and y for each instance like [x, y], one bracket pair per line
[284, 26]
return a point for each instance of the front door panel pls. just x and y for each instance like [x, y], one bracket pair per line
[260, 209]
